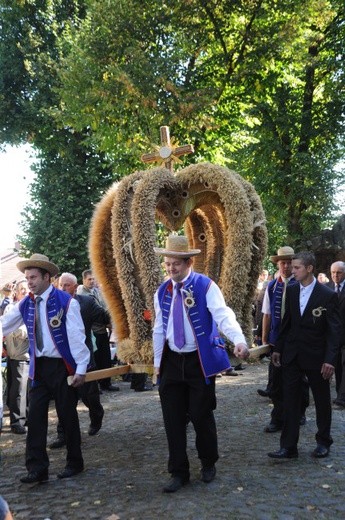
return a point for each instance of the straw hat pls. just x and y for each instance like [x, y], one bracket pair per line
[283, 253]
[177, 246]
[38, 260]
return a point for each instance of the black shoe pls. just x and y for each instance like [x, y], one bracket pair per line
[272, 428]
[110, 388]
[302, 420]
[230, 372]
[59, 443]
[174, 484]
[320, 451]
[284, 453]
[145, 389]
[35, 476]
[208, 474]
[263, 393]
[18, 428]
[94, 429]
[69, 472]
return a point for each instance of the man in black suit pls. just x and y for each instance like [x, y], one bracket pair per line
[308, 343]
[338, 285]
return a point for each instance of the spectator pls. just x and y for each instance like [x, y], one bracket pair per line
[100, 331]
[322, 278]
[5, 513]
[338, 285]
[6, 292]
[17, 348]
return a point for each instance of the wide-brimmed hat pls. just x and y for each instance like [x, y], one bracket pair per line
[283, 253]
[177, 245]
[38, 260]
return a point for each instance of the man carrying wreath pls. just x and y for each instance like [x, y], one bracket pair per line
[188, 353]
[308, 343]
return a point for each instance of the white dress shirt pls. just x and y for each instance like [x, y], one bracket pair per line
[304, 294]
[266, 309]
[74, 327]
[222, 314]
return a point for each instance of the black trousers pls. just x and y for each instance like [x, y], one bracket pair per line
[89, 394]
[17, 390]
[340, 374]
[292, 383]
[51, 382]
[102, 356]
[185, 396]
[276, 392]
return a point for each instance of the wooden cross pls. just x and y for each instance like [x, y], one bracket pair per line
[167, 153]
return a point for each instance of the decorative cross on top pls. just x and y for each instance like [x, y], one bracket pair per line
[167, 153]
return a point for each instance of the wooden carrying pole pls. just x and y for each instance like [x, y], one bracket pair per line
[115, 371]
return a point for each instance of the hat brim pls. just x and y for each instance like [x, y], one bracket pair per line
[28, 264]
[276, 259]
[176, 254]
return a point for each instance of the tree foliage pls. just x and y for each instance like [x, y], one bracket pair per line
[254, 84]
[70, 177]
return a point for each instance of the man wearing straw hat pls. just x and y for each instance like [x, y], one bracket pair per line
[57, 349]
[188, 353]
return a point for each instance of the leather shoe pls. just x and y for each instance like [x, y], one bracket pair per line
[69, 472]
[35, 476]
[339, 404]
[208, 474]
[283, 453]
[94, 429]
[145, 389]
[18, 428]
[59, 443]
[272, 428]
[174, 484]
[230, 372]
[263, 393]
[110, 388]
[320, 451]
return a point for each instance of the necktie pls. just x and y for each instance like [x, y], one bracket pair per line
[38, 325]
[179, 339]
[282, 311]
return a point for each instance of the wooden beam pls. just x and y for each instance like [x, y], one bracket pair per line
[115, 371]
[256, 352]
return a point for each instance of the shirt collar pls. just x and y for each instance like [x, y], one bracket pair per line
[46, 293]
[308, 288]
[184, 279]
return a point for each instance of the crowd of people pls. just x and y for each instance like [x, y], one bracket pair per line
[54, 327]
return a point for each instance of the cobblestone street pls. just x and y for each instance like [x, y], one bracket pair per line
[125, 465]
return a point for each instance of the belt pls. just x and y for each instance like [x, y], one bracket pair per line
[183, 353]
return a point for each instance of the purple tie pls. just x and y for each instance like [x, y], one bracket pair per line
[178, 318]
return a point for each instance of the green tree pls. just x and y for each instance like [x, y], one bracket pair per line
[70, 176]
[254, 84]
[257, 85]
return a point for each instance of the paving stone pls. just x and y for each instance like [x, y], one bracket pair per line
[125, 465]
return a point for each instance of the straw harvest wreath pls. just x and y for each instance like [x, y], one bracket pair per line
[221, 214]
